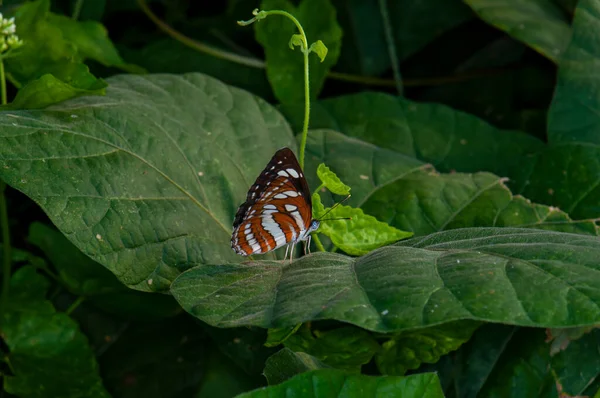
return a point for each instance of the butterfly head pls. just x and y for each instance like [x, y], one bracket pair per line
[314, 225]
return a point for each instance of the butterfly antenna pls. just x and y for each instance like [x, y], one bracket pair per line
[334, 206]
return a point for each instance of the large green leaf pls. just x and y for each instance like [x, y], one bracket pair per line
[434, 133]
[48, 355]
[474, 273]
[540, 24]
[85, 277]
[567, 174]
[147, 179]
[331, 383]
[410, 195]
[285, 67]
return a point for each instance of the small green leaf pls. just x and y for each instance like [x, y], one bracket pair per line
[277, 336]
[332, 181]
[286, 364]
[320, 49]
[296, 41]
[345, 348]
[48, 90]
[410, 349]
[359, 235]
[336, 383]
[48, 354]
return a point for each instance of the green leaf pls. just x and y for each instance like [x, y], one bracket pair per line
[567, 174]
[48, 90]
[285, 68]
[578, 366]
[410, 196]
[91, 41]
[540, 24]
[163, 203]
[346, 348]
[48, 355]
[450, 140]
[332, 181]
[85, 277]
[359, 235]
[561, 338]
[279, 335]
[286, 364]
[410, 349]
[296, 41]
[48, 51]
[320, 49]
[336, 383]
[474, 273]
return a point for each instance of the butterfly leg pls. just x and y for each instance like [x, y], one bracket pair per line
[307, 245]
[287, 248]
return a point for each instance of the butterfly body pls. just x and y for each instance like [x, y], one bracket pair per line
[277, 210]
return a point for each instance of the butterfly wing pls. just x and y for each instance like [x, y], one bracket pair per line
[278, 208]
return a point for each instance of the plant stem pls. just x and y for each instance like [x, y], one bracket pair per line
[75, 304]
[6, 252]
[77, 9]
[389, 38]
[305, 53]
[318, 243]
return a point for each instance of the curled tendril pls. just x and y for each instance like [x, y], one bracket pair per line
[258, 15]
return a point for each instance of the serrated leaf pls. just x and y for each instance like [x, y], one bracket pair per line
[481, 274]
[346, 348]
[410, 349]
[332, 181]
[48, 354]
[540, 24]
[285, 364]
[359, 235]
[170, 185]
[320, 49]
[336, 383]
[285, 69]
[84, 277]
[277, 336]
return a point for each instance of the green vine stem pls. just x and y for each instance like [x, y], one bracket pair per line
[347, 77]
[6, 252]
[77, 10]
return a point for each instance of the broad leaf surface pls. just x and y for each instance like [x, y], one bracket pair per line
[146, 180]
[476, 273]
[286, 364]
[285, 67]
[450, 140]
[567, 175]
[408, 350]
[346, 348]
[85, 277]
[48, 354]
[540, 24]
[409, 195]
[332, 383]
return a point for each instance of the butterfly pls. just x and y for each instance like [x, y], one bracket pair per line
[277, 210]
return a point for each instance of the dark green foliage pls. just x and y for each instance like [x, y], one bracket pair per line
[465, 263]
